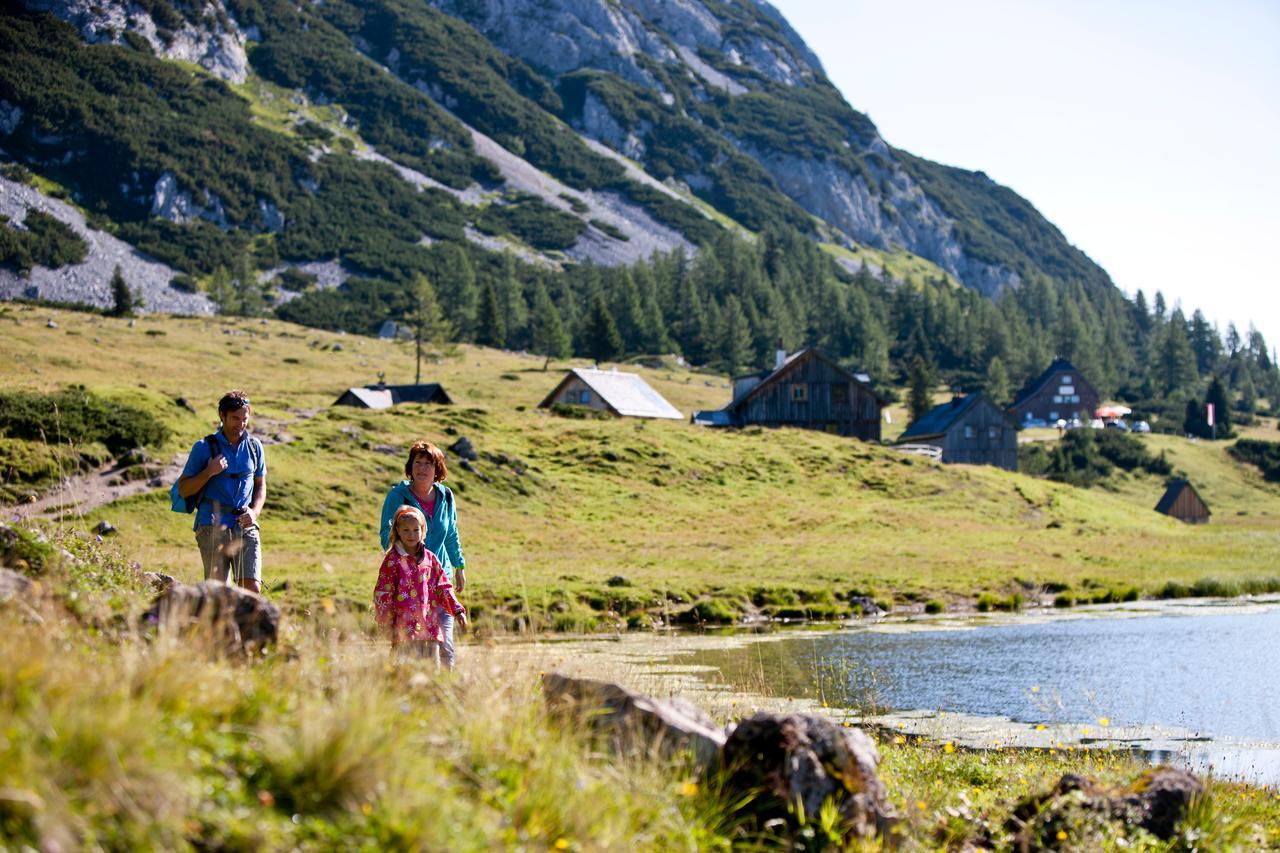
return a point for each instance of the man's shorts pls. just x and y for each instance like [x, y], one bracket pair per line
[230, 553]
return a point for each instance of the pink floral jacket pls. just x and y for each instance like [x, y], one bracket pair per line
[408, 591]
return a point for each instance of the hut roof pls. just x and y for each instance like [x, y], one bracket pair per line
[1033, 387]
[386, 396]
[1171, 494]
[794, 360]
[941, 418]
[625, 394]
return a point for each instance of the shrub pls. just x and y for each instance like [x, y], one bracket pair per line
[933, 605]
[1265, 455]
[77, 416]
[1064, 599]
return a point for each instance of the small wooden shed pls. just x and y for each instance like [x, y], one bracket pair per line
[1183, 502]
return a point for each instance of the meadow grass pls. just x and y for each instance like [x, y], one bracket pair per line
[782, 522]
[117, 740]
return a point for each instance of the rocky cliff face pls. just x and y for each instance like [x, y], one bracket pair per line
[214, 42]
[628, 37]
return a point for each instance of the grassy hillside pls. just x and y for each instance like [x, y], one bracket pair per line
[789, 521]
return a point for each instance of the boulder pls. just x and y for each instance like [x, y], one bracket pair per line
[464, 449]
[865, 605]
[786, 760]
[159, 581]
[15, 585]
[634, 723]
[233, 619]
[617, 580]
[1156, 801]
[104, 528]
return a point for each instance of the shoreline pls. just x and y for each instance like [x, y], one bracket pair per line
[655, 663]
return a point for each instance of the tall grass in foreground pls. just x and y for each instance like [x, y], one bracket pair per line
[110, 740]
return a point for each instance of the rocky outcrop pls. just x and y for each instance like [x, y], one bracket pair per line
[216, 43]
[1156, 801]
[899, 214]
[89, 282]
[790, 759]
[230, 619]
[634, 723]
[777, 767]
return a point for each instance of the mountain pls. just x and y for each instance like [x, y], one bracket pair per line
[567, 131]
[682, 170]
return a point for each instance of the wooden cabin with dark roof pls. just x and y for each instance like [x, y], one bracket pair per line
[968, 430]
[1058, 393]
[806, 389]
[386, 396]
[1183, 502]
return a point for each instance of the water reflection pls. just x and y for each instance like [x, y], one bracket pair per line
[1213, 675]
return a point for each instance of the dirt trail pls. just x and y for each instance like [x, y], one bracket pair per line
[82, 493]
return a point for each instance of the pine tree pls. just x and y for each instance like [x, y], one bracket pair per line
[455, 279]
[600, 332]
[996, 382]
[920, 380]
[1217, 396]
[427, 318]
[1175, 362]
[491, 330]
[735, 339]
[121, 295]
[515, 311]
[549, 337]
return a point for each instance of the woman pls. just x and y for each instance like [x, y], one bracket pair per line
[425, 490]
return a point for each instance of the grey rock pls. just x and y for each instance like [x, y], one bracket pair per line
[104, 528]
[866, 606]
[136, 456]
[464, 449]
[778, 760]
[52, 324]
[89, 282]
[634, 723]
[617, 580]
[15, 585]
[159, 581]
[218, 49]
[231, 619]
[10, 117]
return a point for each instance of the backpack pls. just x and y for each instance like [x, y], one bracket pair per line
[178, 503]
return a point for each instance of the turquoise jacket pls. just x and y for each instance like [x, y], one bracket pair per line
[442, 526]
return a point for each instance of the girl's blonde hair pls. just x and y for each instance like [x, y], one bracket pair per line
[401, 513]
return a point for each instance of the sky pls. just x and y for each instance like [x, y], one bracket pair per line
[1148, 132]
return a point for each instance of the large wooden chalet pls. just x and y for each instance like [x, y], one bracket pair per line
[806, 389]
[969, 430]
[1058, 393]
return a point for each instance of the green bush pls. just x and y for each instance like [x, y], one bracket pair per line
[77, 416]
[933, 605]
[45, 241]
[1064, 599]
[1265, 455]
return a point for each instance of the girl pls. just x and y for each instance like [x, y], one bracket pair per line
[411, 585]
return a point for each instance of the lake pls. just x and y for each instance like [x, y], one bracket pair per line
[1201, 688]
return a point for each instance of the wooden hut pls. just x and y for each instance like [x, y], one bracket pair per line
[621, 394]
[1058, 393]
[386, 396]
[1183, 502]
[968, 430]
[806, 389]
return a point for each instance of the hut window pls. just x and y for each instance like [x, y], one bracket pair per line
[969, 431]
[799, 393]
[839, 394]
[993, 433]
[586, 397]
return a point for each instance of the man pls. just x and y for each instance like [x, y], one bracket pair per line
[234, 481]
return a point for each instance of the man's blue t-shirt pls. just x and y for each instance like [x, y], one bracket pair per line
[233, 488]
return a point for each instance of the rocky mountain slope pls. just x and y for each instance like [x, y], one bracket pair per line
[564, 131]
